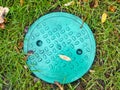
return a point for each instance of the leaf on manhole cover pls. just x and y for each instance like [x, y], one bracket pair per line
[104, 16]
[69, 3]
[64, 57]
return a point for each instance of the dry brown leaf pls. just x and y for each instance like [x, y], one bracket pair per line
[118, 1]
[5, 20]
[112, 8]
[20, 45]
[3, 12]
[104, 17]
[1, 20]
[2, 26]
[69, 3]
[6, 10]
[94, 4]
[21, 2]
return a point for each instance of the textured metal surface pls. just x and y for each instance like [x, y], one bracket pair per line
[58, 34]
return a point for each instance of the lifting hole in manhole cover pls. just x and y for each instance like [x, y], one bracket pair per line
[39, 43]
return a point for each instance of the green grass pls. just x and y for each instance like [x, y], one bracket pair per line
[13, 76]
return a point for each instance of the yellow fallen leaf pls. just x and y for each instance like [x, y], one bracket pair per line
[64, 57]
[69, 3]
[21, 2]
[104, 16]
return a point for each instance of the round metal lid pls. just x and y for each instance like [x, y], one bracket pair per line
[63, 51]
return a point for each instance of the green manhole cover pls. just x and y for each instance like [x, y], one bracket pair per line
[63, 52]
